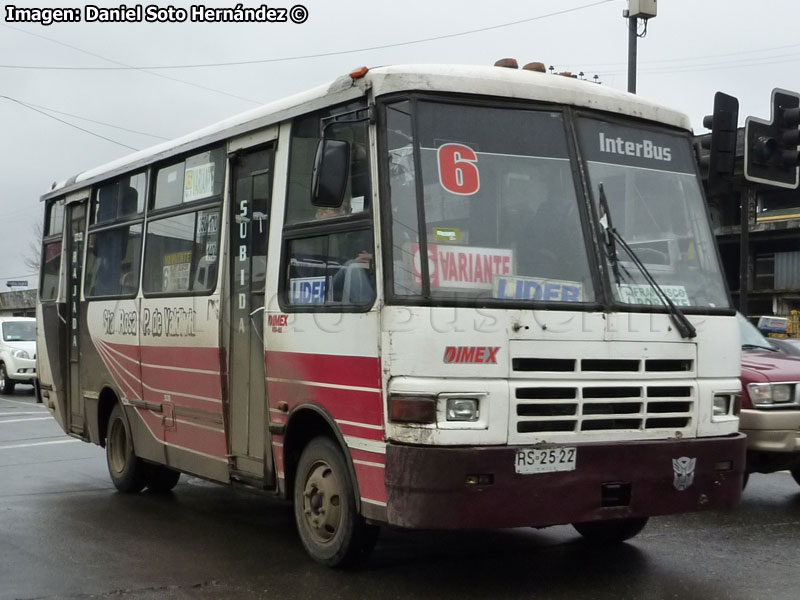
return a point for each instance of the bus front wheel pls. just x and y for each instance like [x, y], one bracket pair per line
[612, 530]
[331, 529]
[128, 472]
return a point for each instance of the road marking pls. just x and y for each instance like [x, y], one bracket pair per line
[38, 444]
[25, 420]
[18, 402]
[18, 414]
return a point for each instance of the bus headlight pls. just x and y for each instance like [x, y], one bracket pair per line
[20, 354]
[463, 409]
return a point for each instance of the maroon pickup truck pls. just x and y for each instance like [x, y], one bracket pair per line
[770, 405]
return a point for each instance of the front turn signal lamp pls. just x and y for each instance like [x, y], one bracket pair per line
[405, 408]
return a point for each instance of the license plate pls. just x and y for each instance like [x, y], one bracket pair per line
[545, 460]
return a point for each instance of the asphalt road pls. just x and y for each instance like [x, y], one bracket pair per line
[65, 533]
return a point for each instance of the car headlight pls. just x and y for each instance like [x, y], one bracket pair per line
[771, 394]
[782, 393]
[20, 354]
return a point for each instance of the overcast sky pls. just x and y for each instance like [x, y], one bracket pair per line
[692, 49]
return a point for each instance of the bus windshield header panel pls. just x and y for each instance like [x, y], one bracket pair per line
[656, 205]
[498, 213]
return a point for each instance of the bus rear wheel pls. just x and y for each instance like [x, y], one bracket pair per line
[128, 472]
[611, 531]
[332, 531]
[161, 479]
[796, 474]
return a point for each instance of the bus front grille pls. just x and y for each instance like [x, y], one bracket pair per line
[573, 409]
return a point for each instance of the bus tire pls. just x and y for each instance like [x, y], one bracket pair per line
[795, 474]
[611, 531]
[330, 528]
[161, 479]
[128, 472]
[6, 385]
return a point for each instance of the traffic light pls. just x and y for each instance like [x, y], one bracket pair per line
[722, 142]
[771, 147]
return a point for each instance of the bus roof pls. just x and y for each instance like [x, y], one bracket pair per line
[474, 80]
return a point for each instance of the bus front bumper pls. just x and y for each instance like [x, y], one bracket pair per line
[477, 488]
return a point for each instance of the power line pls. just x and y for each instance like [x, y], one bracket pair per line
[692, 58]
[721, 65]
[49, 116]
[307, 56]
[126, 66]
[61, 112]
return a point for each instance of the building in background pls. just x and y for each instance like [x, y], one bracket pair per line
[772, 248]
[19, 303]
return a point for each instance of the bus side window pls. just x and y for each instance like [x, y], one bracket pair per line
[306, 134]
[51, 250]
[181, 253]
[335, 269]
[329, 256]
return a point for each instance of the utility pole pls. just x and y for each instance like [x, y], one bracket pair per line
[637, 9]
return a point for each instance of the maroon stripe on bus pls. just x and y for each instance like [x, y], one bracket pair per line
[129, 350]
[182, 356]
[375, 457]
[130, 363]
[198, 439]
[371, 482]
[185, 382]
[178, 399]
[348, 405]
[358, 371]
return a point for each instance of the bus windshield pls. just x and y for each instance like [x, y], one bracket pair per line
[499, 211]
[656, 205]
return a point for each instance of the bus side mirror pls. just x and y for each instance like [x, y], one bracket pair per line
[331, 170]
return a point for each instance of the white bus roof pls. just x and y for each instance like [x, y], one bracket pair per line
[475, 80]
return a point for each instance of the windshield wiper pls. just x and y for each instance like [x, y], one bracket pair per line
[682, 324]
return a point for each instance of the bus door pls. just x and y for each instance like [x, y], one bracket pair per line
[76, 219]
[249, 231]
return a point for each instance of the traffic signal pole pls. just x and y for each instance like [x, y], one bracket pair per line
[748, 201]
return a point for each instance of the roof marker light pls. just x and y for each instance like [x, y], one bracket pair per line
[358, 73]
[535, 66]
[510, 63]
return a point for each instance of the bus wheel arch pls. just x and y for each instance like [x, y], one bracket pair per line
[107, 399]
[320, 480]
[306, 422]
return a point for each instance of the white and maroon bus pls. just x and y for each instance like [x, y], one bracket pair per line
[247, 304]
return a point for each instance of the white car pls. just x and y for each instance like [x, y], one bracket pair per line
[17, 352]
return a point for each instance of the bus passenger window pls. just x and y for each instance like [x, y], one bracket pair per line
[112, 263]
[201, 176]
[121, 199]
[181, 253]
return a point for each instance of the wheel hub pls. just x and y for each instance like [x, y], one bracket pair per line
[322, 502]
